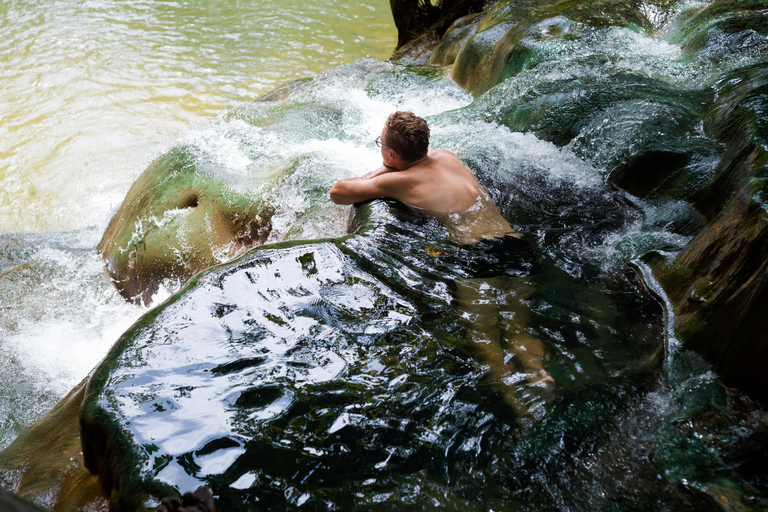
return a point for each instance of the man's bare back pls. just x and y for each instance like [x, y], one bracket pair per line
[437, 184]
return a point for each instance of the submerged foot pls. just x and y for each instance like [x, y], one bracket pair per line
[542, 379]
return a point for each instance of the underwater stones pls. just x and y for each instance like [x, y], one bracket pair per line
[719, 287]
[44, 464]
[247, 356]
[326, 374]
[176, 220]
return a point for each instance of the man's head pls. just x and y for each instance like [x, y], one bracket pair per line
[408, 135]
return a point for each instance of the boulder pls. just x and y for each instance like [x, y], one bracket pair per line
[45, 463]
[719, 282]
[311, 373]
[499, 47]
[719, 288]
[175, 221]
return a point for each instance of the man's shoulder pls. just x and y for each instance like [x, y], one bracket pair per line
[441, 153]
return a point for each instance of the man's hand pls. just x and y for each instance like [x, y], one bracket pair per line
[378, 172]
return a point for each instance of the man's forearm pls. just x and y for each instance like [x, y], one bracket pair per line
[378, 172]
[340, 191]
[351, 190]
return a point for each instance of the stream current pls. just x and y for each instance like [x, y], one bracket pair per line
[90, 93]
[636, 419]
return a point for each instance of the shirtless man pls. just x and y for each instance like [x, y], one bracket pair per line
[436, 183]
[433, 182]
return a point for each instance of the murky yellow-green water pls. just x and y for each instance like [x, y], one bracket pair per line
[92, 90]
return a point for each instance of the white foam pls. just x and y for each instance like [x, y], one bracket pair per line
[66, 323]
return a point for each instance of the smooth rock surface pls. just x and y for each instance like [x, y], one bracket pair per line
[45, 465]
[175, 221]
[333, 371]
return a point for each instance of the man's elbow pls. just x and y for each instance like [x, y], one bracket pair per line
[338, 196]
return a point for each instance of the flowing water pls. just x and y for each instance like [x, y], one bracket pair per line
[90, 93]
[337, 372]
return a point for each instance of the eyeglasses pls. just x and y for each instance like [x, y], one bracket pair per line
[380, 143]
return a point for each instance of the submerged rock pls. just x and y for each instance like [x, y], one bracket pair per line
[333, 372]
[719, 285]
[672, 144]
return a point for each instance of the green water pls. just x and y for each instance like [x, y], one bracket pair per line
[91, 89]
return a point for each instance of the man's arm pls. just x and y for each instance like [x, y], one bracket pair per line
[381, 184]
[381, 170]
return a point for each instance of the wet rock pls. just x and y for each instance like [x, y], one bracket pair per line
[500, 47]
[718, 282]
[719, 286]
[45, 464]
[311, 373]
[444, 54]
[11, 503]
[176, 220]
[737, 118]
[721, 28]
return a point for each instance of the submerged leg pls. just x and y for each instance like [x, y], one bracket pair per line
[479, 304]
[532, 354]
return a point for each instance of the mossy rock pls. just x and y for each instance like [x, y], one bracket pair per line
[444, 54]
[737, 118]
[498, 50]
[45, 463]
[719, 287]
[722, 27]
[177, 220]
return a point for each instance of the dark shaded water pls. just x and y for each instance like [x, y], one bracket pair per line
[345, 374]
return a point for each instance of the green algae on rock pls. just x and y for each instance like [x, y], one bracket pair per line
[719, 285]
[332, 371]
[176, 221]
[44, 464]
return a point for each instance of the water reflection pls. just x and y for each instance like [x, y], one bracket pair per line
[366, 363]
[90, 89]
